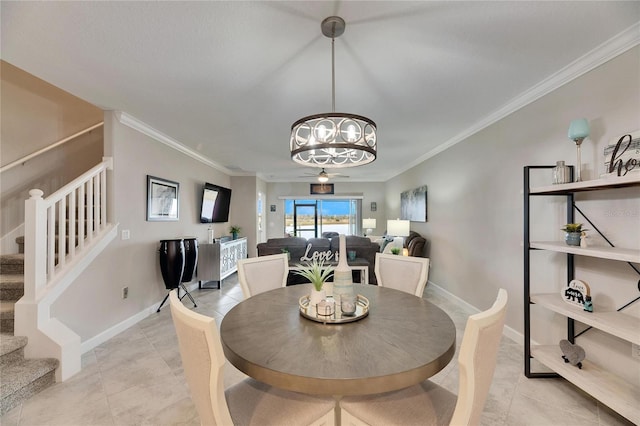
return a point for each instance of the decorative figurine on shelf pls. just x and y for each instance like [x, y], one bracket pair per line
[572, 354]
[576, 293]
[583, 239]
[588, 305]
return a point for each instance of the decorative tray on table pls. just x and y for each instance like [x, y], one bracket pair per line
[334, 314]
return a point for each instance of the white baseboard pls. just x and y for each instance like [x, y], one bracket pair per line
[93, 342]
[509, 332]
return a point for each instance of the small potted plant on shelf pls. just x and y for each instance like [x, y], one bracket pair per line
[395, 250]
[573, 231]
[317, 273]
[235, 230]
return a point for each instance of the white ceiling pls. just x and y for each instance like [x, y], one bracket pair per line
[227, 79]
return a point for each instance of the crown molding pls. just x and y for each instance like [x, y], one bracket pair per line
[132, 122]
[603, 53]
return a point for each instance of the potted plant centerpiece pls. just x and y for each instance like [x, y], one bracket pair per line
[235, 230]
[395, 250]
[316, 272]
[572, 233]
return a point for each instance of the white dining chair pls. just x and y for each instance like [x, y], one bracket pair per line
[247, 403]
[262, 273]
[430, 404]
[405, 273]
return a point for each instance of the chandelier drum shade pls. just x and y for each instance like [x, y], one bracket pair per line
[333, 139]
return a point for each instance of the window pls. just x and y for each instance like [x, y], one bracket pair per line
[309, 218]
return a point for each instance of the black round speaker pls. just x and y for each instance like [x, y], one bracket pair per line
[172, 261]
[190, 259]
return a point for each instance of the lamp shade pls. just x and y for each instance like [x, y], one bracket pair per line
[398, 228]
[368, 223]
[579, 129]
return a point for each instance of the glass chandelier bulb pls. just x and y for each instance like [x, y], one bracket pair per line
[321, 133]
[351, 133]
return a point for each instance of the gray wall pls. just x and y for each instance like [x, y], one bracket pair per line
[34, 115]
[93, 303]
[475, 204]
[244, 209]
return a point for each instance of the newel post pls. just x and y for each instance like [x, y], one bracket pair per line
[35, 244]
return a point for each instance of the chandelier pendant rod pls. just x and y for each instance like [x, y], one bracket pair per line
[333, 74]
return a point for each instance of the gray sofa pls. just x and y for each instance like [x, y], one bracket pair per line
[296, 246]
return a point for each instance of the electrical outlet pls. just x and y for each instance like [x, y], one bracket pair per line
[635, 350]
[125, 292]
[125, 234]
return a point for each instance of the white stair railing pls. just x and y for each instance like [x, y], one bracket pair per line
[62, 231]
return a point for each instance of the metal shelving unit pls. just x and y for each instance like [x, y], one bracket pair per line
[593, 379]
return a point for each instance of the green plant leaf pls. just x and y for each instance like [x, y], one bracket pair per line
[316, 272]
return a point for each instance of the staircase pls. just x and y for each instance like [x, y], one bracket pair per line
[21, 378]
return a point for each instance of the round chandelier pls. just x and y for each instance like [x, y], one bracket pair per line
[333, 139]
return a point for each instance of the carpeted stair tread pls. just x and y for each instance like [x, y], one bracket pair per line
[6, 309]
[6, 316]
[9, 343]
[20, 380]
[11, 287]
[12, 263]
[11, 280]
[9, 259]
[22, 373]
[11, 349]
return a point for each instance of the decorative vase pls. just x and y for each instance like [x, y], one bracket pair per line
[316, 296]
[234, 235]
[572, 238]
[561, 173]
[342, 279]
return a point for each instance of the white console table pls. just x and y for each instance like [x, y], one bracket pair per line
[219, 260]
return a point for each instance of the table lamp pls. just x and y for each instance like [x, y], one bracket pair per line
[369, 224]
[398, 228]
[578, 130]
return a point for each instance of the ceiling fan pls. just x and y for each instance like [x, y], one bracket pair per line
[323, 176]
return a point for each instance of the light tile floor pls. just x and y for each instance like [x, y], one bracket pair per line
[136, 378]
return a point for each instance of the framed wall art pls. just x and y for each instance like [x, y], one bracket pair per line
[321, 189]
[413, 204]
[162, 199]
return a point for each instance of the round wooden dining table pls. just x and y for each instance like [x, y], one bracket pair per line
[403, 341]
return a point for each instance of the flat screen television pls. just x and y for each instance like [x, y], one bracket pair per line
[215, 204]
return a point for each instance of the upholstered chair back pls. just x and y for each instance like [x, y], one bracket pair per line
[264, 273]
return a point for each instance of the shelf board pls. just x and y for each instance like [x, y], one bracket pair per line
[615, 323]
[631, 179]
[613, 253]
[606, 387]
